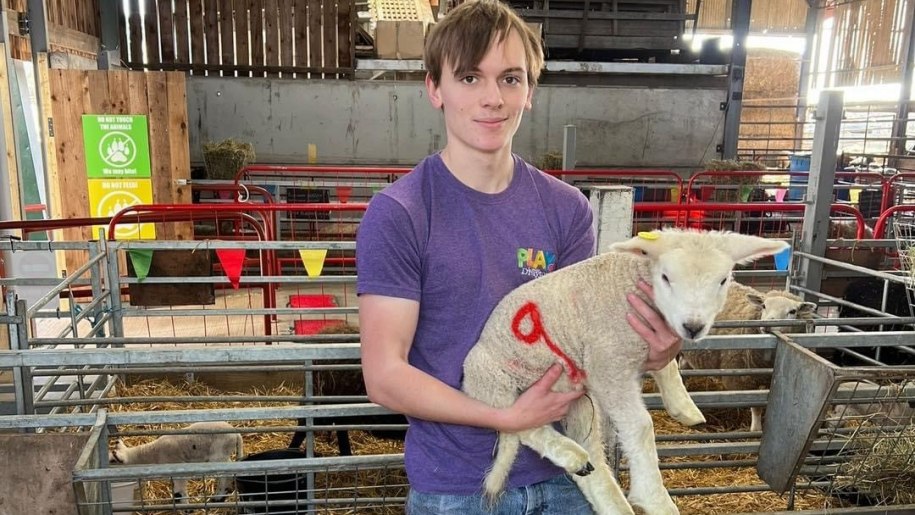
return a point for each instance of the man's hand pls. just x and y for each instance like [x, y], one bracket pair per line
[539, 405]
[663, 343]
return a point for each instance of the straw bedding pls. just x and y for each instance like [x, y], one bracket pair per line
[342, 484]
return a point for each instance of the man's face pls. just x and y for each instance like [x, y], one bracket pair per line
[483, 106]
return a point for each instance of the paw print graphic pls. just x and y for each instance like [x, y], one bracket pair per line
[118, 151]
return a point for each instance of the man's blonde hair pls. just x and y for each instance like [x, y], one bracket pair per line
[466, 34]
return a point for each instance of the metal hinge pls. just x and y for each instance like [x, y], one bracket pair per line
[25, 24]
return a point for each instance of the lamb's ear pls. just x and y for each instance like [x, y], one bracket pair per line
[806, 308]
[649, 244]
[757, 300]
[744, 248]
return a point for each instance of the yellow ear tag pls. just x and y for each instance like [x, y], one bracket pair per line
[649, 235]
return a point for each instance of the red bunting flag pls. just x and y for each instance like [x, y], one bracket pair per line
[343, 193]
[231, 261]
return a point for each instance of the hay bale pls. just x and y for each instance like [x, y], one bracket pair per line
[224, 159]
[882, 466]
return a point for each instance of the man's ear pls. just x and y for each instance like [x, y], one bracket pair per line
[433, 91]
[530, 99]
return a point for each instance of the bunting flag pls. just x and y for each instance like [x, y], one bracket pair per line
[783, 259]
[745, 191]
[343, 193]
[706, 193]
[231, 261]
[313, 259]
[140, 259]
[780, 194]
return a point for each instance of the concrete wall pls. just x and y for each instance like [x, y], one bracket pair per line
[388, 122]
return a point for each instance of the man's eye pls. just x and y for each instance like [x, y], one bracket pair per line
[470, 79]
[512, 80]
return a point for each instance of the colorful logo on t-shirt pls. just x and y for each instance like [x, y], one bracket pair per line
[536, 262]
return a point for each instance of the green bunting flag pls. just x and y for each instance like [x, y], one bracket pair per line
[141, 259]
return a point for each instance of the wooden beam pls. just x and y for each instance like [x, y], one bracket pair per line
[72, 41]
[6, 107]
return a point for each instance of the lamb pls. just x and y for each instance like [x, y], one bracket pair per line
[347, 383]
[576, 316]
[201, 446]
[746, 303]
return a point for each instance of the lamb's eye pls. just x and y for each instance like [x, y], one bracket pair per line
[723, 281]
[666, 279]
[792, 312]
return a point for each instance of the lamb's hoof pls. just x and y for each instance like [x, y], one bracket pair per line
[662, 505]
[689, 417]
[584, 471]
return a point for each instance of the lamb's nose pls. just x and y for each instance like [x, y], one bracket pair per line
[693, 328]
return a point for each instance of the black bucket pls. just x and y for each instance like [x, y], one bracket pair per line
[274, 493]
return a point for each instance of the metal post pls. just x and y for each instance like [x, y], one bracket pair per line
[113, 280]
[800, 116]
[38, 26]
[820, 185]
[740, 27]
[109, 55]
[568, 147]
[905, 93]
[19, 340]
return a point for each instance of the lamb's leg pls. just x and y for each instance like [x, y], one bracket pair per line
[636, 434]
[506, 452]
[179, 491]
[222, 489]
[676, 400]
[756, 424]
[558, 448]
[584, 425]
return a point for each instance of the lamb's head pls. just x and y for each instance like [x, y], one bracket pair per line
[691, 271]
[781, 305]
[119, 454]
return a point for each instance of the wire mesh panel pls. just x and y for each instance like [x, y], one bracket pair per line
[905, 244]
[845, 430]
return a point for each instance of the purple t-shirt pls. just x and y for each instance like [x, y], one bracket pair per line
[458, 251]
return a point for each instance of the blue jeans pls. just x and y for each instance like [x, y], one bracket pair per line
[557, 496]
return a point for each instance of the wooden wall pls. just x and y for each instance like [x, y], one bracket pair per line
[242, 37]
[773, 16]
[159, 95]
[74, 27]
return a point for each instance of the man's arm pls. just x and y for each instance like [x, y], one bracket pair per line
[387, 326]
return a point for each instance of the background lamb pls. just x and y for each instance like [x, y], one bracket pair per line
[746, 303]
[203, 445]
[339, 383]
[576, 316]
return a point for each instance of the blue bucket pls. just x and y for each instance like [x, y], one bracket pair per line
[798, 163]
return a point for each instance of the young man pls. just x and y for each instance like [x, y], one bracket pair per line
[439, 248]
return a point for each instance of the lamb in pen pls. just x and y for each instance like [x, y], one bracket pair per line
[202, 445]
[746, 303]
[576, 316]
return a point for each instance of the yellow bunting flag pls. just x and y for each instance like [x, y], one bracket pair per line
[313, 259]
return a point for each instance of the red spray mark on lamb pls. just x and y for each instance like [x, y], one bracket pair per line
[537, 333]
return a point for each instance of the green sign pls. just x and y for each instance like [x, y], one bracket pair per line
[117, 146]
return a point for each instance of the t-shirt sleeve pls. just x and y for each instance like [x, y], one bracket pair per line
[578, 232]
[387, 251]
